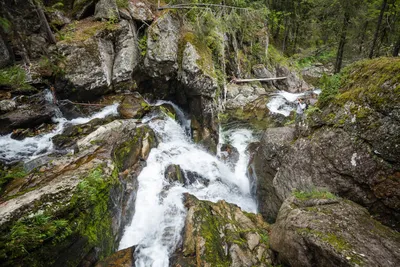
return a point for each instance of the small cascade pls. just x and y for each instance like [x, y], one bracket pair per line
[159, 211]
[12, 150]
[284, 102]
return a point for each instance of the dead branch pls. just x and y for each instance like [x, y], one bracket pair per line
[84, 104]
[254, 80]
[186, 6]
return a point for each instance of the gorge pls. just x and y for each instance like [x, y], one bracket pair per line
[126, 140]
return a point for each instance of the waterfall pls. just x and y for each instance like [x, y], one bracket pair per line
[12, 150]
[159, 211]
[284, 102]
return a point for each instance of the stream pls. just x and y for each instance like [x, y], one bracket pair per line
[159, 211]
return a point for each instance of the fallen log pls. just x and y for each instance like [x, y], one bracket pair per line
[255, 80]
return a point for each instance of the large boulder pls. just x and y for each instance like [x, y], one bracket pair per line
[106, 9]
[161, 58]
[293, 83]
[73, 208]
[266, 161]
[28, 112]
[140, 10]
[247, 103]
[318, 229]
[351, 147]
[127, 55]
[221, 234]
[133, 107]
[98, 59]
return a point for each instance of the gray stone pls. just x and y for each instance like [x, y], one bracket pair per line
[127, 54]
[106, 9]
[260, 71]
[162, 47]
[273, 146]
[339, 233]
[7, 105]
[140, 10]
[293, 83]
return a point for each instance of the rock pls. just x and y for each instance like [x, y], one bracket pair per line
[7, 106]
[34, 111]
[24, 19]
[127, 55]
[84, 8]
[221, 234]
[122, 258]
[248, 104]
[174, 173]
[5, 57]
[133, 107]
[83, 200]
[106, 9]
[197, 79]
[58, 19]
[314, 73]
[140, 10]
[351, 146]
[69, 137]
[292, 84]
[339, 233]
[273, 146]
[229, 155]
[88, 68]
[260, 71]
[162, 47]
[194, 177]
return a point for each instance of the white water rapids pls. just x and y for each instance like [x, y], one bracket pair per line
[159, 213]
[283, 102]
[32, 147]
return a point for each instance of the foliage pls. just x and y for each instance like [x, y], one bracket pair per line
[143, 45]
[313, 194]
[30, 232]
[80, 31]
[5, 24]
[330, 88]
[6, 176]
[122, 3]
[14, 77]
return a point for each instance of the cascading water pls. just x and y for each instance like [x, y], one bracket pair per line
[159, 213]
[31, 147]
[283, 102]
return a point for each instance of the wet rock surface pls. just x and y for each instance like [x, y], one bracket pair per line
[335, 232]
[133, 107]
[221, 233]
[99, 180]
[27, 112]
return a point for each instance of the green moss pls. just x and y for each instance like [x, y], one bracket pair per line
[142, 43]
[7, 176]
[122, 3]
[167, 112]
[313, 194]
[372, 82]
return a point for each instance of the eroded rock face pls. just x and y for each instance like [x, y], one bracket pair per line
[222, 234]
[332, 232]
[351, 148]
[162, 47]
[273, 146]
[87, 199]
[4, 54]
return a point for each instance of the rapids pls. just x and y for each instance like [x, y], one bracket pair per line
[159, 211]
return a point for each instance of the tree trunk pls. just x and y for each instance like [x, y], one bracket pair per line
[396, 48]
[45, 24]
[378, 26]
[342, 42]
[362, 41]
